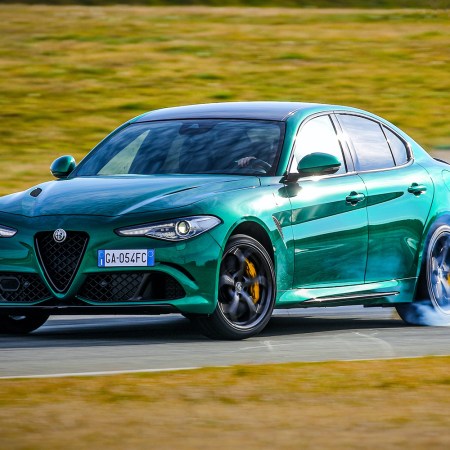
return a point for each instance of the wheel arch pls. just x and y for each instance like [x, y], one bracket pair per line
[433, 224]
[276, 242]
[256, 231]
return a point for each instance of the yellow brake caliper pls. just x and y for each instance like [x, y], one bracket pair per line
[250, 271]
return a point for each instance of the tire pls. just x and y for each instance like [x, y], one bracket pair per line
[247, 292]
[433, 304]
[17, 324]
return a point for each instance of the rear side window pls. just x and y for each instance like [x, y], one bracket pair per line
[369, 142]
[398, 147]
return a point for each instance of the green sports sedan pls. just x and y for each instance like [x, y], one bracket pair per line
[223, 212]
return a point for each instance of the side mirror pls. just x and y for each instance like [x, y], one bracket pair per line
[318, 164]
[62, 166]
[313, 164]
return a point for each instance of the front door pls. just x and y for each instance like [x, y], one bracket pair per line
[329, 216]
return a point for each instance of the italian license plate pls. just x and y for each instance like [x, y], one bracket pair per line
[126, 258]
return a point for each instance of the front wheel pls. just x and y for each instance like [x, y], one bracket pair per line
[246, 292]
[21, 324]
[434, 307]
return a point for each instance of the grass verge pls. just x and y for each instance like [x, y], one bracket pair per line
[366, 404]
[72, 74]
[285, 3]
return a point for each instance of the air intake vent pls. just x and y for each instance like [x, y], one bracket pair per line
[60, 260]
[114, 287]
[22, 288]
[35, 192]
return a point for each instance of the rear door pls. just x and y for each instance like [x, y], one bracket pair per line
[399, 196]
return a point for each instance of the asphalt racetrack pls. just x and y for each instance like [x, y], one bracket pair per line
[97, 344]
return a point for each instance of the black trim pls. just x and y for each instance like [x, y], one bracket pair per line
[351, 166]
[82, 310]
[119, 287]
[442, 161]
[35, 192]
[47, 275]
[381, 124]
[272, 172]
[25, 288]
[346, 154]
[338, 298]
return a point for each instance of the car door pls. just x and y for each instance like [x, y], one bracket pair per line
[399, 197]
[329, 218]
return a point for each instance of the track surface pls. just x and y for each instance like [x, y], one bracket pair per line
[111, 343]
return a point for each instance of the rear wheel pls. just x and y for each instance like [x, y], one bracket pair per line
[21, 324]
[246, 292]
[434, 307]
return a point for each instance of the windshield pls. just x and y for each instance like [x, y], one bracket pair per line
[218, 146]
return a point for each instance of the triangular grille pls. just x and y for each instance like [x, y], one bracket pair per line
[60, 260]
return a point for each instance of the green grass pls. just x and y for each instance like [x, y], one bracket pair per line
[283, 3]
[340, 405]
[72, 74]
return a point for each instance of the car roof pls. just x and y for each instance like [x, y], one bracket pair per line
[278, 111]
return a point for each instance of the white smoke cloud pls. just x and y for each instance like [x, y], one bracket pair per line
[423, 313]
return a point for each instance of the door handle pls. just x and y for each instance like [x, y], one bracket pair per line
[417, 189]
[354, 197]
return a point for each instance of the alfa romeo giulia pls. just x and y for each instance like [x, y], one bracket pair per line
[223, 212]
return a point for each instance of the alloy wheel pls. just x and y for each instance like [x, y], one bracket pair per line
[245, 286]
[438, 267]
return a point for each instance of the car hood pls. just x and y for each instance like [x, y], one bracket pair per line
[113, 196]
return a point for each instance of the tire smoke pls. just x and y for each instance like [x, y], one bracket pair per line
[424, 313]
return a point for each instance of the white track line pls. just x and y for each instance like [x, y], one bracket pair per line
[174, 369]
[100, 373]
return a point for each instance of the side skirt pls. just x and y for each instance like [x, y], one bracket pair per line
[384, 293]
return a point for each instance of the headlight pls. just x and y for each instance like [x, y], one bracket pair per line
[6, 232]
[173, 230]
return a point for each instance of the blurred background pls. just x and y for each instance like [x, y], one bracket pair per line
[72, 71]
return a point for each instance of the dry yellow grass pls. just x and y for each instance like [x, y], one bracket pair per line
[339, 405]
[71, 74]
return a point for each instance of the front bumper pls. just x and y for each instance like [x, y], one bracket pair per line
[90, 310]
[183, 278]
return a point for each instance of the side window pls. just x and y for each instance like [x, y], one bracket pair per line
[317, 135]
[398, 147]
[371, 147]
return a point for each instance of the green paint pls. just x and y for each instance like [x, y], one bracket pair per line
[354, 235]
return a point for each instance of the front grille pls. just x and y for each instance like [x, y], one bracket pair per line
[60, 260]
[22, 288]
[114, 287]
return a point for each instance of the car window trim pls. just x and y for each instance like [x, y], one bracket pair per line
[344, 143]
[281, 124]
[381, 124]
[343, 149]
[406, 144]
